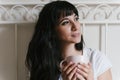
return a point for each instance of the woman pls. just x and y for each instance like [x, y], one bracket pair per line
[57, 35]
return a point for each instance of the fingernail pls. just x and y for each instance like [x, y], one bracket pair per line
[71, 62]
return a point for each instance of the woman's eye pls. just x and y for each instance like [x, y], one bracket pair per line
[77, 18]
[65, 22]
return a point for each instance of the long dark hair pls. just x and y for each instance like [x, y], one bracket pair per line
[43, 56]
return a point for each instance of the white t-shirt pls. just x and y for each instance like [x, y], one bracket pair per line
[100, 62]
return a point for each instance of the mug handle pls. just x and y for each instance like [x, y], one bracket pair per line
[61, 64]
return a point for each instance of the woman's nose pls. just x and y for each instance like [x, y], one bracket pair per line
[75, 26]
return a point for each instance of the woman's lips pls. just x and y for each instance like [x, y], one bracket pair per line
[75, 34]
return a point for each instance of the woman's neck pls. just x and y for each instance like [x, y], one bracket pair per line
[69, 50]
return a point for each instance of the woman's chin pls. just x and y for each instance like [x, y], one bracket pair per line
[77, 41]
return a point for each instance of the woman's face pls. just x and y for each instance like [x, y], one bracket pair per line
[68, 29]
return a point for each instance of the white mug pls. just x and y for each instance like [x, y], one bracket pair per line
[75, 59]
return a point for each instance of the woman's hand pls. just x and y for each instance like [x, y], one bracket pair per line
[68, 71]
[84, 72]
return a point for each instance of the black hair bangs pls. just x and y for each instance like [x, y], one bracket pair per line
[68, 11]
[61, 10]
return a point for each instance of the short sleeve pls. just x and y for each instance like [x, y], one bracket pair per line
[102, 63]
[60, 78]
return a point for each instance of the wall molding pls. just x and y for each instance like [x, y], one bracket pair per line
[89, 12]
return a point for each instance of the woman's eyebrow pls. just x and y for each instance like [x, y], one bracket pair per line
[63, 19]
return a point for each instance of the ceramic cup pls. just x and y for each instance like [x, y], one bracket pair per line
[75, 59]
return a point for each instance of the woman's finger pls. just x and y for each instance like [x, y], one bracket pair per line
[79, 77]
[82, 73]
[84, 67]
[70, 69]
[66, 67]
[72, 75]
[85, 70]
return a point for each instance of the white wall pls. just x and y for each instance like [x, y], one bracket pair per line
[7, 55]
[16, 30]
[13, 49]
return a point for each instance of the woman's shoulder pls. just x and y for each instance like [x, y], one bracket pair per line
[99, 60]
[95, 56]
[93, 52]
